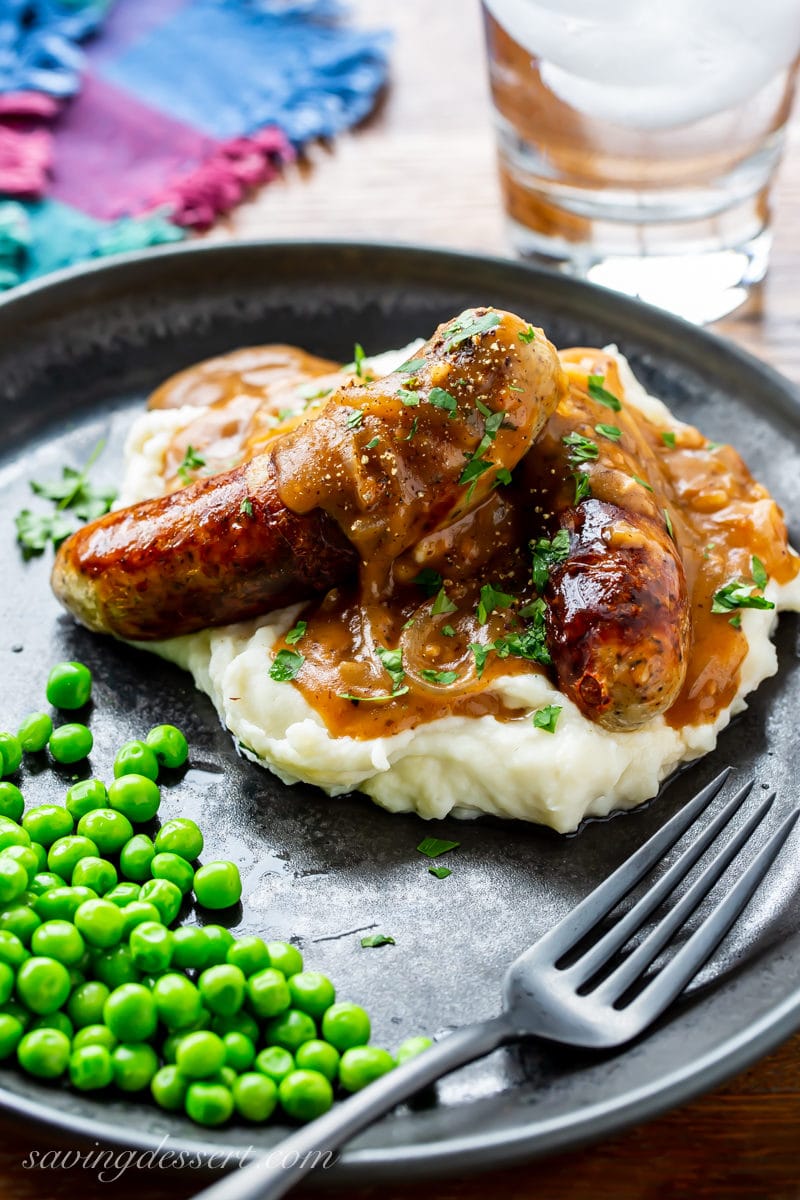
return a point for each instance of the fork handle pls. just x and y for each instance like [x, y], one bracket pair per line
[267, 1179]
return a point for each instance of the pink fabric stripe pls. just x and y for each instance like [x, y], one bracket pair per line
[25, 160]
[28, 104]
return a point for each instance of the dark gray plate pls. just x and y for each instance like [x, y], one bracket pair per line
[79, 355]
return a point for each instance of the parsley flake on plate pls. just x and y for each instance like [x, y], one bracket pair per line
[548, 553]
[581, 449]
[377, 939]
[286, 665]
[355, 419]
[668, 439]
[443, 678]
[35, 531]
[547, 718]
[735, 595]
[442, 604]
[392, 661]
[440, 398]
[491, 598]
[583, 488]
[294, 635]
[759, 573]
[429, 580]
[193, 460]
[358, 360]
[439, 872]
[246, 508]
[432, 847]
[411, 367]
[612, 432]
[599, 393]
[643, 482]
[527, 335]
[474, 327]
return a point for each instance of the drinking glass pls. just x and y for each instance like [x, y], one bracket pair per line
[638, 139]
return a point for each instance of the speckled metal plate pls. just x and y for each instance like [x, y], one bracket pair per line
[78, 355]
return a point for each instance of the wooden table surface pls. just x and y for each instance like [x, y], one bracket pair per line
[422, 169]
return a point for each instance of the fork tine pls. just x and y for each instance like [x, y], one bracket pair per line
[597, 904]
[622, 930]
[639, 959]
[681, 969]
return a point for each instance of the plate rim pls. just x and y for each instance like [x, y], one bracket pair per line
[566, 1131]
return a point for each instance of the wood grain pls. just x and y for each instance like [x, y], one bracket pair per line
[422, 170]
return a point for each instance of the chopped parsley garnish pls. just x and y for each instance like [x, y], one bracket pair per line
[308, 392]
[736, 621]
[409, 398]
[643, 482]
[440, 398]
[412, 431]
[442, 604]
[358, 359]
[432, 847]
[472, 328]
[377, 939]
[286, 665]
[547, 718]
[441, 677]
[668, 520]
[471, 474]
[36, 531]
[294, 635]
[355, 419]
[491, 599]
[481, 652]
[372, 443]
[492, 422]
[737, 594]
[668, 439]
[546, 554]
[411, 367]
[527, 335]
[410, 623]
[284, 414]
[609, 431]
[583, 487]
[532, 642]
[392, 664]
[759, 573]
[439, 872]
[512, 388]
[246, 508]
[713, 445]
[581, 449]
[73, 491]
[447, 631]
[601, 395]
[429, 580]
[192, 461]
[503, 476]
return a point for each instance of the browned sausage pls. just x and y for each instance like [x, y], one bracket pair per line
[618, 610]
[383, 464]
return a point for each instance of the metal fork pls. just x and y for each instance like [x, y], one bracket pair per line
[550, 990]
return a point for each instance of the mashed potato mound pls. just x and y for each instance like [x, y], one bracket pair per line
[457, 766]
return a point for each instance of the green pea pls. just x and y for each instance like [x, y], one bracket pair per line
[65, 853]
[41, 855]
[85, 796]
[94, 1035]
[222, 988]
[360, 1065]
[239, 1051]
[137, 796]
[290, 1029]
[13, 879]
[20, 920]
[130, 1013]
[12, 802]
[11, 752]
[13, 1008]
[305, 1095]
[97, 873]
[12, 950]
[268, 993]
[255, 1096]
[250, 954]
[285, 957]
[115, 966]
[90, 1068]
[100, 922]
[180, 836]
[71, 743]
[12, 834]
[61, 903]
[177, 1001]
[123, 894]
[11, 1030]
[311, 992]
[191, 947]
[26, 858]
[169, 745]
[134, 1065]
[200, 1054]
[411, 1047]
[69, 685]
[42, 984]
[151, 946]
[319, 1056]
[218, 885]
[218, 941]
[135, 758]
[208, 1103]
[176, 869]
[85, 1005]
[166, 897]
[44, 1053]
[57, 1020]
[168, 1088]
[241, 1022]
[59, 940]
[135, 858]
[274, 1062]
[345, 1025]
[34, 732]
[6, 982]
[46, 823]
[137, 913]
[107, 828]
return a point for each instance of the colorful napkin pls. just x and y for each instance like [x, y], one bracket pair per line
[125, 125]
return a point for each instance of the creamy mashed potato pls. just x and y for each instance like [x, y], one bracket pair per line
[459, 766]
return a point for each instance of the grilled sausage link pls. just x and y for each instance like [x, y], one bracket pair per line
[384, 463]
[618, 608]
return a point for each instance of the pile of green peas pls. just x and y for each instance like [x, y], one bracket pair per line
[99, 986]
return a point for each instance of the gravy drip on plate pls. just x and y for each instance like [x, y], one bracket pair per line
[422, 582]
